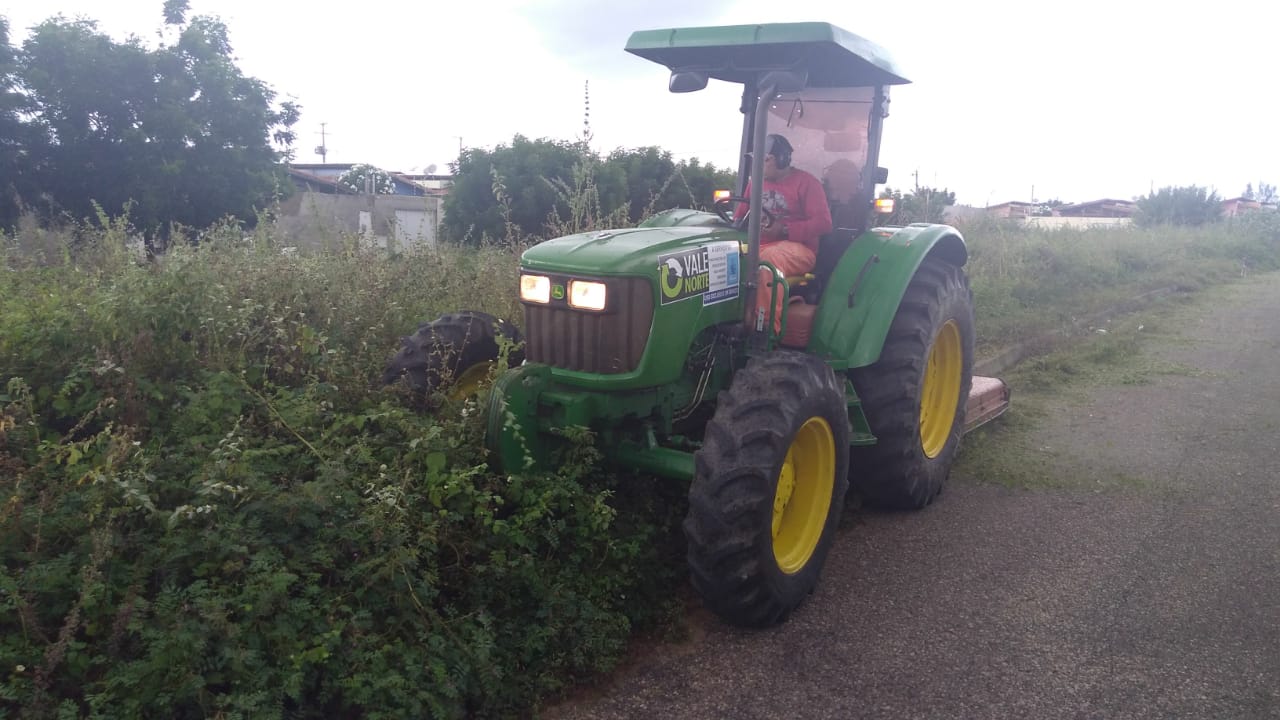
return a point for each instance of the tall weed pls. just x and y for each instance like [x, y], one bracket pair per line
[1028, 281]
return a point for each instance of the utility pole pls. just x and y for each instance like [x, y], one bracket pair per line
[322, 149]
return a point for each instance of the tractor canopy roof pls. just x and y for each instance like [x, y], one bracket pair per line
[833, 57]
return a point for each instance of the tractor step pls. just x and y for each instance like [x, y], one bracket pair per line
[988, 399]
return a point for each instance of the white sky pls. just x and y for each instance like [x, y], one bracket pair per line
[1085, 100]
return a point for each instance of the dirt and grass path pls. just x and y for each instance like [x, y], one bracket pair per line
[1111, 548]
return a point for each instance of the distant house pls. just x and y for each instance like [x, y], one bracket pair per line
[1105, 208]
[323, 208]
[428, 182]
[1239, 206]
[402, 184]
[306, 181]
[1013, 209]
[1095, 213]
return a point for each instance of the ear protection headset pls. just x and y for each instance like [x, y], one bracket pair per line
[777, 146]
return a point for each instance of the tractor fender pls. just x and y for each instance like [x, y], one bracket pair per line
[862, 295]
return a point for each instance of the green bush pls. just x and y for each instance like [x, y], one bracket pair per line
[210, 508]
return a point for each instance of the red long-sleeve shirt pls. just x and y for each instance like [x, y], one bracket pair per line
[799, 208]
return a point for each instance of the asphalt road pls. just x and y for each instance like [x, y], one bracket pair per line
[1158, 597]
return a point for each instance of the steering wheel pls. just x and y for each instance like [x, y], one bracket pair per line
[721, 207]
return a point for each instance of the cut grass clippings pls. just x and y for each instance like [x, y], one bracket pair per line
[1011, 452]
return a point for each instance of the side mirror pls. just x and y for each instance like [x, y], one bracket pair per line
[683, 81]
[785, 81]
[882, 175]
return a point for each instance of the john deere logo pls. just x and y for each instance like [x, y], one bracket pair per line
[683, 275]
[557, 292]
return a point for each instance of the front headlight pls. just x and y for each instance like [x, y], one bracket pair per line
[587, 295]
[535, 288]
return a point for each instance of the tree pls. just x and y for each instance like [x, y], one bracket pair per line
[178, 134]
[13, 134]
[365, 178]
[531, 176]
[530, 181]
[648, 172]
[655, 182]
[1266, 193]
[1189, 205]
[924, 204]
[702, 181]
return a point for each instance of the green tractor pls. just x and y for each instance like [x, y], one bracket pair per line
[649, 336]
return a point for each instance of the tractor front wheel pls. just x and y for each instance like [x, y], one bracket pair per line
[455, 352]
[768, 488]
[914, 396]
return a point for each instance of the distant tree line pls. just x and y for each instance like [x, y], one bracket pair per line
[1190, 205]
[177, 133]
[1186, 205]
[923, 204]
[1266, 193]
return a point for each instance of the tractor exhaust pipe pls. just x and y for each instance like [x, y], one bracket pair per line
[759, 126]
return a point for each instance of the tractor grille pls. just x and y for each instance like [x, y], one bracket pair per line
[605, 343]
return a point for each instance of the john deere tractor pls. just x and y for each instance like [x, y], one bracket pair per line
[650, 338]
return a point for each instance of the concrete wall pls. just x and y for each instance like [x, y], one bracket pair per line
[311, 219]
[1078, 223]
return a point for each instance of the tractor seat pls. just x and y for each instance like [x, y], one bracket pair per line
[806, 292]
[830, 249]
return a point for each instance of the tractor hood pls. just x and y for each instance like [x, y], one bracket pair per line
[633, 251]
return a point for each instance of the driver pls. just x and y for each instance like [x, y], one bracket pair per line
[798, 204]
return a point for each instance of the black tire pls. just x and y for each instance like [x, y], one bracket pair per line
[904, 470]
[773, 404]
[442, 351]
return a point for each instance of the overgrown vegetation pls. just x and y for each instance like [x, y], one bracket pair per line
[209, 508]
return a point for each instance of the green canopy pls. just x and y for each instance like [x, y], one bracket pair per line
[736, 53]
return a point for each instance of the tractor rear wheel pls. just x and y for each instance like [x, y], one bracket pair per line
[456, 351]
[768, 488]
[914, 395]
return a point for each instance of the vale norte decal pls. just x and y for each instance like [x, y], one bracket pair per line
[709, 272]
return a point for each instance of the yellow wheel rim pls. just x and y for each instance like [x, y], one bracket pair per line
[470, 380]
[803, 499]
[941, 392]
